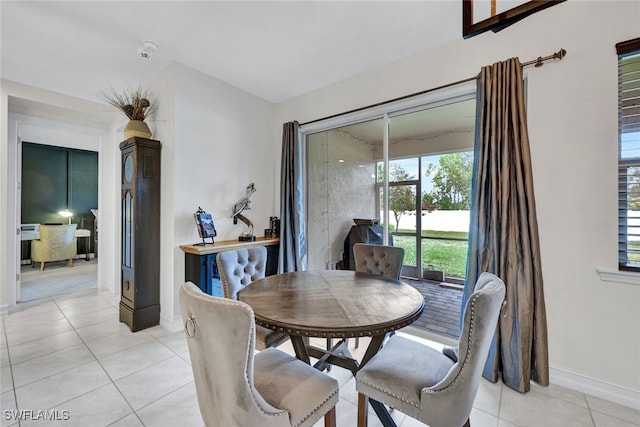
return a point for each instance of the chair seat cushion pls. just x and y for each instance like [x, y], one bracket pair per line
[398, 373]
[268, 338]
[287, 383]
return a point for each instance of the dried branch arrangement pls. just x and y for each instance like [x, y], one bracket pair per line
[134, 103]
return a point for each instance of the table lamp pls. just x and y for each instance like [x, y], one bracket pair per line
[67, 214]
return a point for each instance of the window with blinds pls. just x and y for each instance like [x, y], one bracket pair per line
[629, 154]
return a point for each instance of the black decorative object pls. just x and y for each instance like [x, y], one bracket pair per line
[371, 234]
[275, 226]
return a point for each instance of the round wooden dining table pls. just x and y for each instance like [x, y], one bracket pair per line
[333, 304]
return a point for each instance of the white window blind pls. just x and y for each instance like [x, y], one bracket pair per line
[629, 154]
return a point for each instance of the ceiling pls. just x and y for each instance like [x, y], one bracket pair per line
[276, 50]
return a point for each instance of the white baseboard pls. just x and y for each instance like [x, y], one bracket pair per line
[571, 380]
[595, 387]
[4, 310]
[171, 325]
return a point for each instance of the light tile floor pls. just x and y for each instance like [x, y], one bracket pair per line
[71, 355]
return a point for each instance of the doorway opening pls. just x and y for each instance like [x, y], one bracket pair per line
[84, 140]
[58, 205]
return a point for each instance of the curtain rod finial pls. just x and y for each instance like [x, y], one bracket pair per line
[540, 61]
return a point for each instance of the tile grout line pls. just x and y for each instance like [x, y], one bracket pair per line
[13, 381]
[500, 400]
[158, 339]
[47, 354]
[101, 367]
[134, 412]
[591, 411]
[593, 421]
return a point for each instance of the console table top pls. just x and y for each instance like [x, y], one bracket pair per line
[226, 245]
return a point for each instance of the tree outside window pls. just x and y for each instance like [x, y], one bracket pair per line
[451, 183]
[402, 198]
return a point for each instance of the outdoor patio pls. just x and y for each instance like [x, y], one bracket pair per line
[442, 308]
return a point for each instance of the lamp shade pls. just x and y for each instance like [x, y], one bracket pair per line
[66, 213]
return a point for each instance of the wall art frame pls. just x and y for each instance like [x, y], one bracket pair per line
[496, 21]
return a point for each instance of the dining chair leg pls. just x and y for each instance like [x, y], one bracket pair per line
[42, 266]
[363, 410]
[330, 418]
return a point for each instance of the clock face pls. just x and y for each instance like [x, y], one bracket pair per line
[128, 168]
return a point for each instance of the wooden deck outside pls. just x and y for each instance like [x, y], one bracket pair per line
[442, 308]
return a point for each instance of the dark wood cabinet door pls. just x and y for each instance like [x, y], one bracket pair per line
[140, 233]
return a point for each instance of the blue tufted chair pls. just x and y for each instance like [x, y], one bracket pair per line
[238, 268]
[237, 387]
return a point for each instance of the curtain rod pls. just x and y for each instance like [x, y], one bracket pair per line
[538, 62]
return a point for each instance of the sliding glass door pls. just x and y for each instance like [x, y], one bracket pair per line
[341, 186]
[392, 178]
[431, 149]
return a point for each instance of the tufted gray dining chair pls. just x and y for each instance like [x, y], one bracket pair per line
[435, 387]
[377, 260]
[237, 387]
[237, 269]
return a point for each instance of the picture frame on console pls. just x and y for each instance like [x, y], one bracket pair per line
[205, 226]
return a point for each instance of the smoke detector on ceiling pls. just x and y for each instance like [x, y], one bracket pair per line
[147, 49]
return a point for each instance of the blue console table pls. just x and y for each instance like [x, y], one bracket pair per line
[200, 261]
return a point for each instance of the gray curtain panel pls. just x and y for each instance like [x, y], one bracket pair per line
[293, 245]
[503, 236]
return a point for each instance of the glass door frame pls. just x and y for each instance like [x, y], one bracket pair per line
[428, 99]
[407, 270]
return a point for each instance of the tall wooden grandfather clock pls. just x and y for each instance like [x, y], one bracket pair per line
[140, 204]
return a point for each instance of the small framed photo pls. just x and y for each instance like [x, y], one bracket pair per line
[206, 228]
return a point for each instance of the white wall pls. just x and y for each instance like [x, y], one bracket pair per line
[162, 124]
[594, 342]
[216, 139]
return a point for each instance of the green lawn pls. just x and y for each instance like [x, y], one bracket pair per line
[449, 256]
[633, 252]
